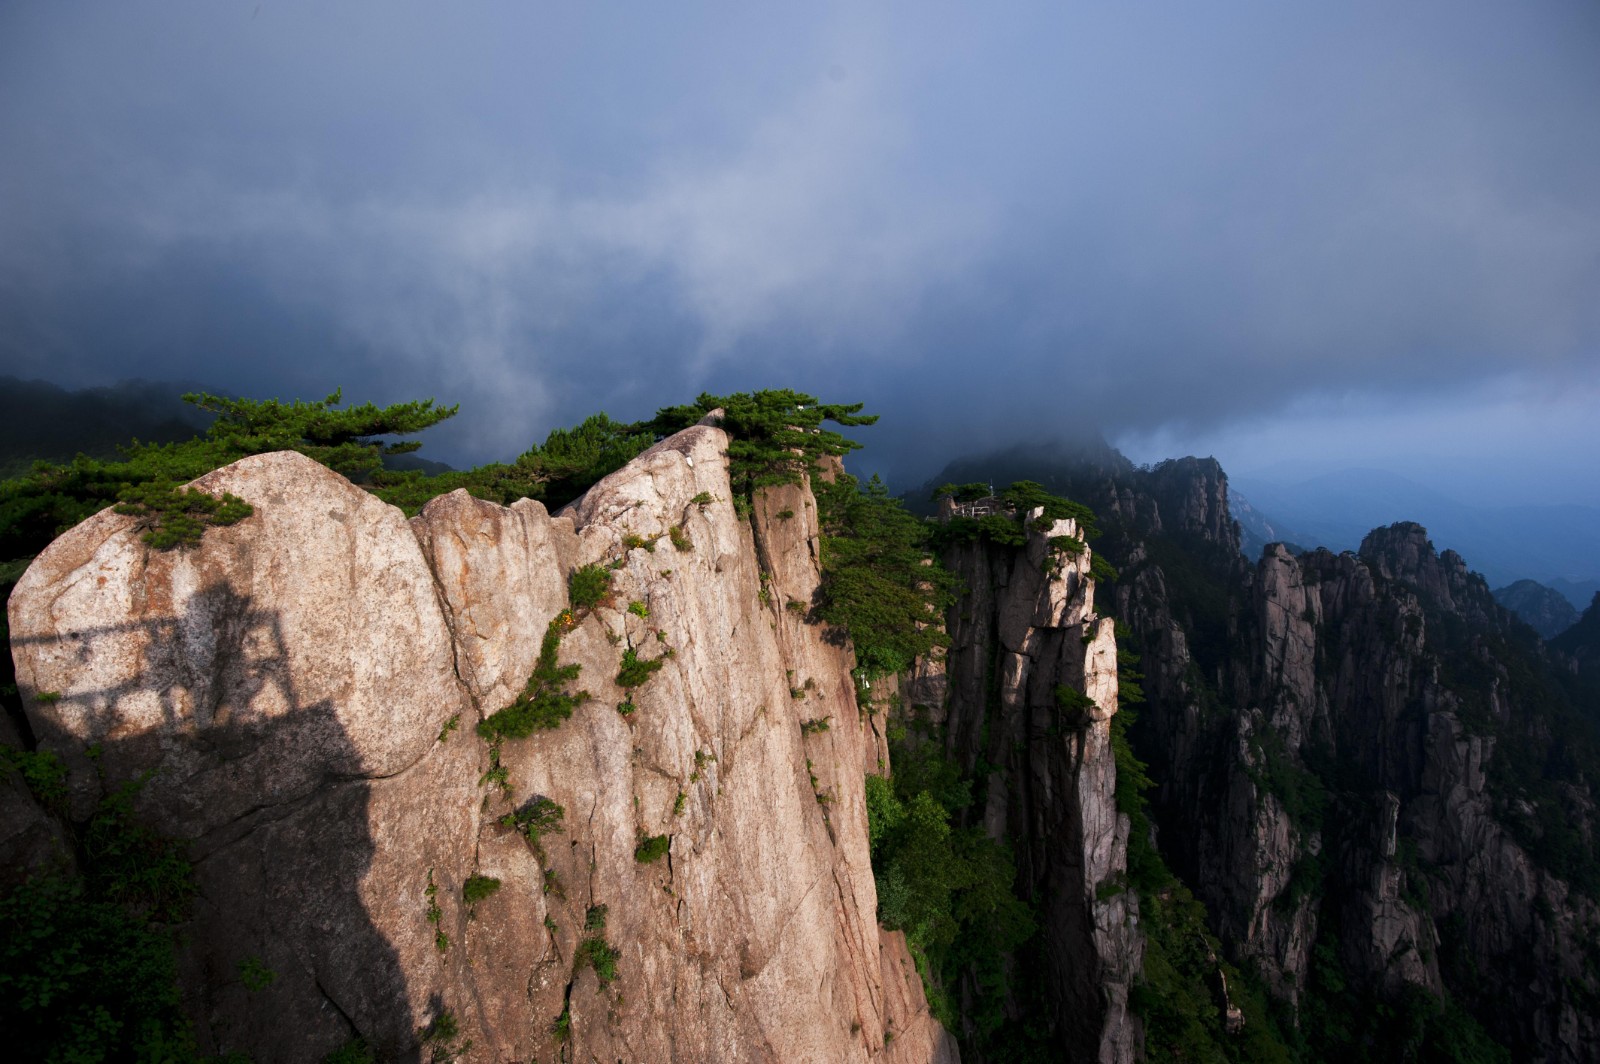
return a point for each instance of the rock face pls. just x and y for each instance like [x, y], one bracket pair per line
[303, 689]
[1378, 782]
[1325, 729]
[1027, 626]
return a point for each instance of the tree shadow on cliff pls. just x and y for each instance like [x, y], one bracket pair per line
[277, 954]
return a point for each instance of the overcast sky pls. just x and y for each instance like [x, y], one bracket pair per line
[1321, 233]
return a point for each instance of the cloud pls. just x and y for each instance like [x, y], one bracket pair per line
[990, 225]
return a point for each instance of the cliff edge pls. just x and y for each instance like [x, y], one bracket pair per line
[678, 872]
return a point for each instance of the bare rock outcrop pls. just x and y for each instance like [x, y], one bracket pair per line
[303, 691]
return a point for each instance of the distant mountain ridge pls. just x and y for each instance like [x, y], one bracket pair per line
[1256, 529]
[1544, 609]
[42, 421]
[1557, 545]
[1578, 592]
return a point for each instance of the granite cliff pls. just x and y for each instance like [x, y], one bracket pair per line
[1368, 774]
[500, 784]
[1378, 782]
[682, 866]
[1025, 640]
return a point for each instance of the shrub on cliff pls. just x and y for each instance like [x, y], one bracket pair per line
[37, 507]
[776, 435]
[880, 584]
[545, 700]
[949, 888]
[1009, 528]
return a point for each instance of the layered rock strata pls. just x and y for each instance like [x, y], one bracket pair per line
[301, 693]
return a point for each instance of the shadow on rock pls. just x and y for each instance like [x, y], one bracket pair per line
[280, 958]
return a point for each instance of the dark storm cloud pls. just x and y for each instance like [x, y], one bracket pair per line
[987, 224]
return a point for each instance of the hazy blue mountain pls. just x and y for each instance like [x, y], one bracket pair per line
[1578, 592]
[1544, 609]
[1257, 529]
[1545, 543]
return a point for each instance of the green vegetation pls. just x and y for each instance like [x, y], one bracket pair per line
[1300, 792]
[594, 950]
[43, 773]
[1548, 744]
[1176, 996]
[1075, 706]
[87, 960]
[880, 585]
[702, 758]
[567, 464]
[435, 914]
[355, 1051]
[255, 975]
[534, 819]
[441, 1039]
[477, 888]
[545, 701]
[635, 671]
[86, 964]
[449, 726]
[949, 888]
[1010, 528]
[497, 773]
[146, 480]
[1067, 545]
[1198, 578]
[652, 848]
[589, 587]
[776, 436]
[176, 517]
[1341, 1022]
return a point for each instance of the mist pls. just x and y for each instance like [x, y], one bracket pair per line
[1353, 234]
